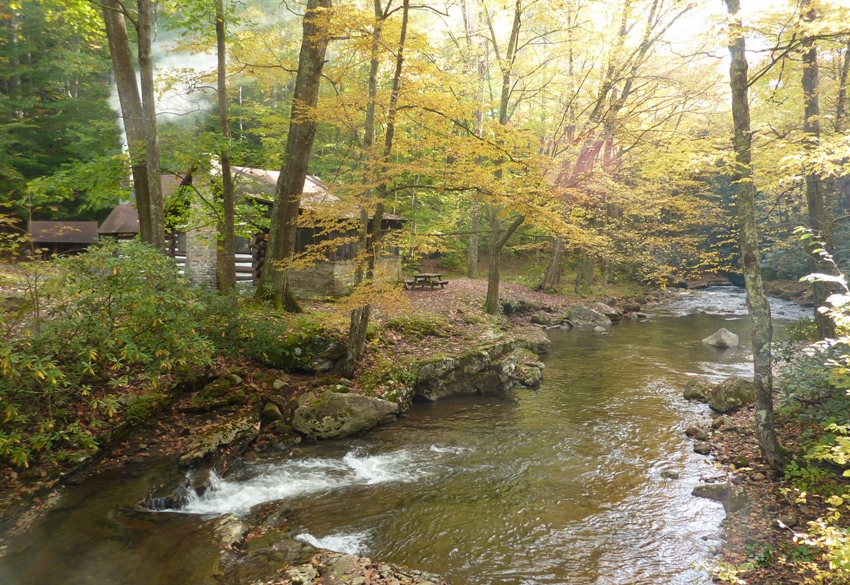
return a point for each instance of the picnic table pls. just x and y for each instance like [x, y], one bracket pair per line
[427, 279]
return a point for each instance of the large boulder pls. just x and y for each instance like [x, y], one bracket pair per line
[330, 415]
[523, 367]
[612, 313]
[582, 317]
[731, 395]
[723, 338]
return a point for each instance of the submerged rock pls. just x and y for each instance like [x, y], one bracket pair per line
[722, 339]
[331, 415]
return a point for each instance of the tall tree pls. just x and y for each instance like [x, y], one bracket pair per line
[138, 112]
[131, 110]
[759, 309]
[500, 232]
[818, 196]
[144, 25]
[226, 264]
[371, 227]
[274, 282]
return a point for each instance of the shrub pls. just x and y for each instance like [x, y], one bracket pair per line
[100, 319]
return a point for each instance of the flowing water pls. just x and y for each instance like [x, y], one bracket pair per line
[560, 485]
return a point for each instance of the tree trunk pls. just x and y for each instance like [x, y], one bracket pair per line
[818, 197]
[143, 33]
[472, 267]
[274, 282]
[842, 101]
[226, 265]
[360, 317]
[476, 62]
[586, 268]
[762, 328]
[498, 239]
[552, 278]
[131, 111]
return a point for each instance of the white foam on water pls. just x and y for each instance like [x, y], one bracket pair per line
[304, 477]
[353, 544]
[451, 450]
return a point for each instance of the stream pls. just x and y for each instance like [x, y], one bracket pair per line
[559, 485]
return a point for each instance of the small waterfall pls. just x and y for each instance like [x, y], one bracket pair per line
[293, 479]
[183, 494]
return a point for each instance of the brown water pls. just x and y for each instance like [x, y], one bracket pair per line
[560, 485]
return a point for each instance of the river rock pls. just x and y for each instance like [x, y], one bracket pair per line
[722, 339]
[740, 461]
[613, 313]
[582, 317]
[217, 388]
[522, 367]
[735, 500]
[670, 474]
[702, 447]
[696, 433]
[270, 414]
[492, 368]
[334, 568]
[697, 390]
[545, 319]
[330, 415]
[238, 432]
[600, 329]
[731, 395]
[631, 307]
[230, 530]
[711, 491]
[787, 521]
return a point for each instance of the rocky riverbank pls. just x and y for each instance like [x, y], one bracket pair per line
[243, 410]
[770, 514]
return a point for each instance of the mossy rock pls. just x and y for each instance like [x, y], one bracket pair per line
[216, 388]
[145, 407]
[697, 390]
[332, 415]
[732, 394]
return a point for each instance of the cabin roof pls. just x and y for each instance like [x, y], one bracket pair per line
[261, 184]
[124, 219]
[63, 232]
